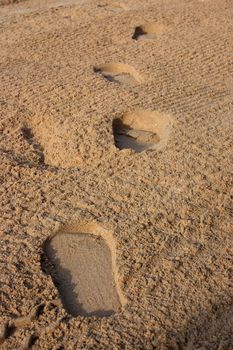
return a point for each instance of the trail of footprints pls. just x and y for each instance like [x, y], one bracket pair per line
[47, 137]
[81, 259]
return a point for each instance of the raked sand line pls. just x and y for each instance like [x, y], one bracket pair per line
[142, 130]
[119, 72]
[84, 258]
[148, 31]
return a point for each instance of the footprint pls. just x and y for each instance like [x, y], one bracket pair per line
[119, 73]
[84, 270]
[148, 31]
[142, 130]
[115, 5]
[54, 142]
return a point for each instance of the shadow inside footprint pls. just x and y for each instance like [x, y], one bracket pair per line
[138, 32]
[127, 137]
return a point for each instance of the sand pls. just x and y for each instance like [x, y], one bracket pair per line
[116, 143]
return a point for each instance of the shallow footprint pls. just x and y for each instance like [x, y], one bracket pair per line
[148, 31]
[119, 72]
[85, 271]
[115, 5]
[142, 130]
[54, 141]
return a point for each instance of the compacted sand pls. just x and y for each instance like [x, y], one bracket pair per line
[116, 139]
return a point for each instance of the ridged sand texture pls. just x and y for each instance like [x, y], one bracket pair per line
[116, 154]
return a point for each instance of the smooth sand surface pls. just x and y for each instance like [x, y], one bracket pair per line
[116, 145]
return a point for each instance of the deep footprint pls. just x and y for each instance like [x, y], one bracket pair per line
[148, 31]
[85, 271]
[119, 73]
[142, 130]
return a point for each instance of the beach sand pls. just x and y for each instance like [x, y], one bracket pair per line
[116, 143]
